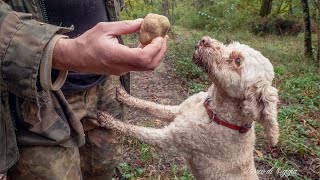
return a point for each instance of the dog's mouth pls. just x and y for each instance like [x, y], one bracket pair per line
[207, 51]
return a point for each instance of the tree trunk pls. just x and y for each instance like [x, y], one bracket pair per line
[265, 8]
[317, 3]
[307, 32]
[318, 38]
[164, 8]
[173, 4]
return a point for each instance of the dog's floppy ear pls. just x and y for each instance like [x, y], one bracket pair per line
[261, 103]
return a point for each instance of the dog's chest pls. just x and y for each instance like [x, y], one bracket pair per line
[193, 130]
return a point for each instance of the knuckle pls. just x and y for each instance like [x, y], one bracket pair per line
[125, 22]
[100, 25]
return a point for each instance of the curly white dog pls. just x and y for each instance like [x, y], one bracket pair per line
[214, 131]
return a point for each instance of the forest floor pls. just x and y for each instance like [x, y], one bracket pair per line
[142, 161]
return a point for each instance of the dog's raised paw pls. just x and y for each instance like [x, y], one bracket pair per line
[104, 119]
[121, 94]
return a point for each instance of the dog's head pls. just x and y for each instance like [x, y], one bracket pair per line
[245, 74]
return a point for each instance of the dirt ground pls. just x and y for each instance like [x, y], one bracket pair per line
[161, 86]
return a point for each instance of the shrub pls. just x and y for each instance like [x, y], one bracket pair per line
[275, 25]
[214, 16]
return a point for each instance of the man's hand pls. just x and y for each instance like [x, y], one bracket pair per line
[98, 51]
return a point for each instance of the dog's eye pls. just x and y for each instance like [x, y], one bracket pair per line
[237, 61]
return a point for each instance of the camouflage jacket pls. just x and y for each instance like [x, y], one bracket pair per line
[23, 38]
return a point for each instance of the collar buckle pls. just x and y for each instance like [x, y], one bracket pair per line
[245, 128]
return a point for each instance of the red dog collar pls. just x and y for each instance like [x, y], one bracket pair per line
[242, 129]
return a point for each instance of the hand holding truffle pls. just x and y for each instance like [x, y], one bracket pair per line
[99, 51]
[153, 25]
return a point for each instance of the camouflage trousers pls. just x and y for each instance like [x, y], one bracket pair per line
[97, 159]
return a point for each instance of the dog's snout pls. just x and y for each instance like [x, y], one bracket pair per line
[205, 41]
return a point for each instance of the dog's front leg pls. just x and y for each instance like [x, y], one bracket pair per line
[159, 138]
[165, 112]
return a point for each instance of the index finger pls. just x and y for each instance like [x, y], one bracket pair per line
[123, 27]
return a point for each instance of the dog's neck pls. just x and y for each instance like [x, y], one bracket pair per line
[226, 107]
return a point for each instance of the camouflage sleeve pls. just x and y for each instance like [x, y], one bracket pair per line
[46, 67]
[22, 44]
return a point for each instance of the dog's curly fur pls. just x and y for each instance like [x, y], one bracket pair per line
[241, 93]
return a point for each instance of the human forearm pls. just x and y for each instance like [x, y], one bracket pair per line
[98, 51]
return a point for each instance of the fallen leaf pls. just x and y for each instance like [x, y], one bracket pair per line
[259, 153]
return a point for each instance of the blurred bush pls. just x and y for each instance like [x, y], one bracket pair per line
[276, 26]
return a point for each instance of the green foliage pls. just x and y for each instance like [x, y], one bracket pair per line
[275, 25]
[134, 9]
[217, 15]
[279, 70]
[287, 8]
[180, 53]
[303, 90]
[147, 153]
[184, 175]
[129, 172]
[292, 134]
[225, 15]
[300, 118]
[195, 87]
[147, 164]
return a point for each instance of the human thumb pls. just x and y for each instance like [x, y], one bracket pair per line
[123, 27]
